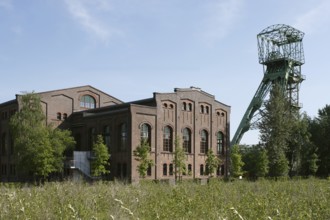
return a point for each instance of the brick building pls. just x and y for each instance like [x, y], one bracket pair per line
[200, 121]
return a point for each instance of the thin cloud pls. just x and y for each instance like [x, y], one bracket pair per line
[6, 4]
[223, 14]
[82, 13]
[316, 19]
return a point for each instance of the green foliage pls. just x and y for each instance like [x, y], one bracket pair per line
[319, 127]
[212, 162]
[296, 199]
[38, 148]
[236, 161]
[275, 127]
[141, 154]
[101, 156]
[179, 160]
[255, 161]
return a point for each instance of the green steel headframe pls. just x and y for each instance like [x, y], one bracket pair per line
[280, 51]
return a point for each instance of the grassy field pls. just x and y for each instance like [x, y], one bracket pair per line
[295, 199]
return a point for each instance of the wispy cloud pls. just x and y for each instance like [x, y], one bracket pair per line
[222, 15]
[6, 4]
[315, 19]
[82, 12]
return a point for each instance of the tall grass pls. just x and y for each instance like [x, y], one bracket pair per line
[295, 199]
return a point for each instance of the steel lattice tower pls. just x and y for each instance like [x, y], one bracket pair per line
[280, 51]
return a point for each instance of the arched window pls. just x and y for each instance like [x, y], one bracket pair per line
[207, 109]
[87, 101]
[202, 109]
[220, 143]
[164, 169]
[59, 116]
[184, 106]
[171, 169]
[189, 169]
[187, 140]
[145, 133]
[204, 142]
[123, 136]
[201, 170]
[106, 135]
[168, 139]
[189, 107]
[65, 116]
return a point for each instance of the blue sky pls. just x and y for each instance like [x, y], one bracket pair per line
[132, 48]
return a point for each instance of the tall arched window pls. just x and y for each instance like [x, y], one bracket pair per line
[87, 101]
[204, 142]
[123, 136]
[187, 140]
[220, 142]
[145, 133]
[168, 139]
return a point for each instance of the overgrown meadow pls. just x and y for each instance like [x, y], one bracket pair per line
[265, 199]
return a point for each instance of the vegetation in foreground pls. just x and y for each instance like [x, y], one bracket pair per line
[264, 199]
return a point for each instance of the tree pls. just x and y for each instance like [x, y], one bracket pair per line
[179, 160]
[100, 157]
[236, 161]
[255, 161]
[38, 148]
[212, 162]
[298, 143]
[141, 154]
[274, 129]
[319, 128]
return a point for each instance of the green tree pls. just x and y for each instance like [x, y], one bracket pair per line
[236, 161]
[179, 160]
[141, 154]
[274, 129]
[39, 149]
[61, 141]
[319, 128]
[212, 162]
[298, 143]
[255, 161]
[101, 157]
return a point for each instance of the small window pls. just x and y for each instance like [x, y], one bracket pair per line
[59, 116]
[149, 170]
[171, 169]
[201, 170]
[164, 169]
[65, 116]
[189, 169]
[189, 107]
[207, 110]
[171, 106]
[165, 105]
[184, 106]
[87, 101]
[202, 109]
